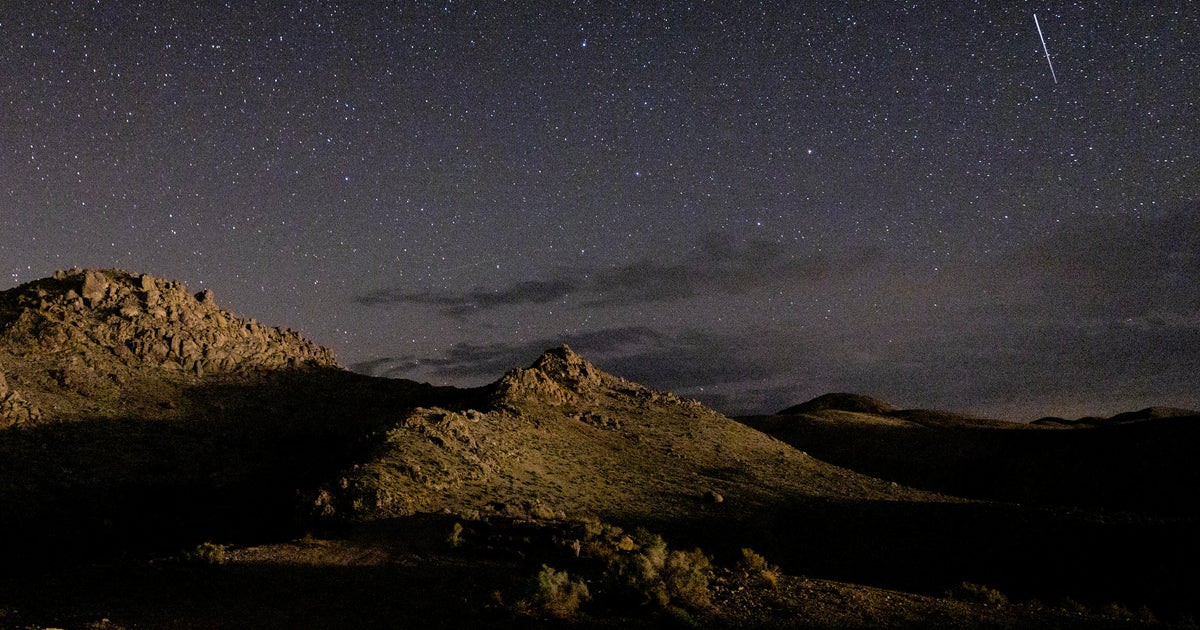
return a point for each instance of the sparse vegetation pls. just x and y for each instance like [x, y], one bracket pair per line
[644, 567]
[209, 553]
[1116, 611]
[756, 567]
[103, 624]
[1073, 606]
[978, 593]
[553, 593]
[455, 537]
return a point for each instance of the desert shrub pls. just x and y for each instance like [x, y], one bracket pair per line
[1116, 611]
[978, 593]
[455, 537]
[752, 562]
[770, 578]
[685, 575]
[647, 570]
[209, 553]
[103, 624]
[1146, 615]
[553, 593]
[1072, 605]
[680, 618]
[755, 567]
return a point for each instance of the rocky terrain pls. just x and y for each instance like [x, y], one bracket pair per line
[81, 342]
[165, 463]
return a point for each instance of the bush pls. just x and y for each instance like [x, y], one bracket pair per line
[685, 575]
[209, 553]
[754, 565]
[969, 592]
[753, 562]
[1071, 605]
[554, 593]
[1117, 611]
[645, 567]
[455, 537]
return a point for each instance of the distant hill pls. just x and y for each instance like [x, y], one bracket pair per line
[1140, 461]
[842, 402]
[1149, 413]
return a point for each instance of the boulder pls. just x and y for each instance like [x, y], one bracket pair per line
[95, 285]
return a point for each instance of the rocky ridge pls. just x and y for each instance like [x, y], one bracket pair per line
[562, 377]
[81, 333]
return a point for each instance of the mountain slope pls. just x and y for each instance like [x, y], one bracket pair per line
[568, 437]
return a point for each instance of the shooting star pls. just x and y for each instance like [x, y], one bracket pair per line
[1039, 29]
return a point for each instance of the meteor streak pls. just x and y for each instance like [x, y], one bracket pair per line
[1039, 29]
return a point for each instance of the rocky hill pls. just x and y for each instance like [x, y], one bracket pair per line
[562, 436]
[92, 342]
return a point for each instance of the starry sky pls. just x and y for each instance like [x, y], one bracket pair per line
[750, 203]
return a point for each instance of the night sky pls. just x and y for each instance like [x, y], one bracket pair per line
[750, 203]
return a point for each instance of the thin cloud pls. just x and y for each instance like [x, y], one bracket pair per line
[715, 266]
[459, 304]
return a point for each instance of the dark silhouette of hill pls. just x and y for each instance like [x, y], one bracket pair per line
[138, 420]
[1149, 413]
[1139, 461]
[844, 402]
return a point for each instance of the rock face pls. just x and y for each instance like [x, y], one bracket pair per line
[562, 377]
[558, 377]
[85, 330]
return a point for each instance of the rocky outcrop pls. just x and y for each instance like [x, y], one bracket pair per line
[558, 377]
[562, 377]
[139, 320]
[14, 410]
